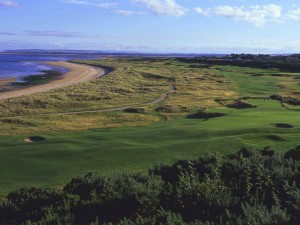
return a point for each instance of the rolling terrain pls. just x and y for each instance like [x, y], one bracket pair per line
[107, 124]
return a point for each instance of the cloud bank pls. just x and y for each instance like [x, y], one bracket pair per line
[294, 14]
[53, 33]
[257, 15]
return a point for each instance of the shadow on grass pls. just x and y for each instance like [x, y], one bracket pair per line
[204, 115]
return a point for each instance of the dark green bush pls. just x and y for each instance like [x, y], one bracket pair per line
[293, 154]
[135, 110]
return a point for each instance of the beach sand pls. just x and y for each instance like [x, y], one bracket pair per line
[77, 73]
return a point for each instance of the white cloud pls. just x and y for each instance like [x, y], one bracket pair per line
[128, 12]
[8, 3]
[294, 14]
[94, 3]
[163, 7]
[202, 11]
[106, 5]
[257, 15]
[110, 7]
[77, 2]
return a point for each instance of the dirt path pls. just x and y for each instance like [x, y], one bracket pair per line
[78, 73]
[161, 98]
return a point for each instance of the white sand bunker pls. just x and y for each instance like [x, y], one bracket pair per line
[35, 139]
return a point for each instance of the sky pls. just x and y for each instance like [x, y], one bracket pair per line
[162, 26]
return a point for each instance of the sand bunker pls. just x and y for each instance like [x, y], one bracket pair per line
[273, 137]
[283, 125]
[241, 105]
[34, 139]
[258, 75]
[204, 115]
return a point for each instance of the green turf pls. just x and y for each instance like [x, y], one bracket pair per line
[64, 155]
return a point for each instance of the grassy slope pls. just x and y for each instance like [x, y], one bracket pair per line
[67, 154]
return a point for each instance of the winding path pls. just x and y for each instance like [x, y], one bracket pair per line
[156, 101]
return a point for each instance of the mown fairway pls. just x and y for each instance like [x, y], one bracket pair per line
[118, 141]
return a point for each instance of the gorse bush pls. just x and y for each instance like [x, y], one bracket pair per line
[249, 187]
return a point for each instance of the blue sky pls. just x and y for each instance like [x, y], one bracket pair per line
[188, 26]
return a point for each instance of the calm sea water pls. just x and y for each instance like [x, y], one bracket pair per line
[22, 65]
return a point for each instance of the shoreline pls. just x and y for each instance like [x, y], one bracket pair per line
[7, 80]
[77, 73]
[5, 83]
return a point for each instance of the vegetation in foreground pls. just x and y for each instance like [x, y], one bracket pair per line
[248, 188]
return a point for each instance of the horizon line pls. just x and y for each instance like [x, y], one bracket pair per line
[138, 52]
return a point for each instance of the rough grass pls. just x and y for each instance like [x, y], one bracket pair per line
[59, 123]
[132, 82]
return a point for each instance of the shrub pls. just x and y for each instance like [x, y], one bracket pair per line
[241, 105]
[293, 154]
[205, 115]
[135, 110]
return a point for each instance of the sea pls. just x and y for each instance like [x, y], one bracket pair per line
[20, 65]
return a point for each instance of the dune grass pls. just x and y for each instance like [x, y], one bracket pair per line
[132, 141]
[132, 81]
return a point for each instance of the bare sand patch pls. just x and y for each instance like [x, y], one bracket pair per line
[34, 139]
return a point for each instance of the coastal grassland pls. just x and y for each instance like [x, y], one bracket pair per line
[137, 81]
[132, 82]
[191, 82]
[60, 123]
[183, 125]
[122, 87]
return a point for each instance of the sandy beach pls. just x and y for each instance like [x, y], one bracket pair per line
[77, 73]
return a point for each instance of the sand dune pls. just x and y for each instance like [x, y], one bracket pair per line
[77, 74]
